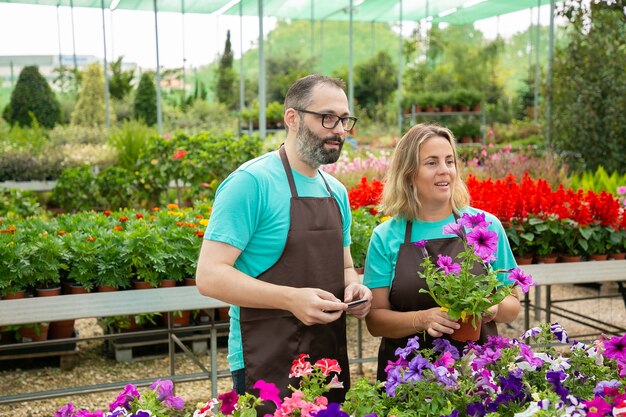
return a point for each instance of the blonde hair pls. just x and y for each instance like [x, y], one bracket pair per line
[399, 197]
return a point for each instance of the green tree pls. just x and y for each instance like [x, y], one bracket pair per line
[225, 85]
[89, 110]
[589, 87]
[121, 81]
[32, 97]
[375, 81]
[145, 100]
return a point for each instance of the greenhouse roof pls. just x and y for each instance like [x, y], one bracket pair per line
[451, 11]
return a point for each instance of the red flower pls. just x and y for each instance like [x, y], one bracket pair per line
[91, 239]
[365, 193]
[107, 213]
[118, 228]
[180, 154]
[229, 400]
[300, 366]
[123, 219]
[199, 233]
[138, 215]
[328, 365]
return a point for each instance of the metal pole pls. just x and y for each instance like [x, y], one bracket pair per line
[59, 35]
[312, 30]
[262, 120]
[241, 80]
[400, 119]
[184, 58]
[158, 70]
[536, 97]
[550, 59]
[73, 40]
[350, 65]
[107, 109]
[530, 43]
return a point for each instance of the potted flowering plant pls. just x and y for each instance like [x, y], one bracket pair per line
[462, 294]
[503, 377]
[158, 401]
[306, 400]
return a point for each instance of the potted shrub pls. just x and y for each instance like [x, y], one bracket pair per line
[45, 259]
[146, 252]
[574, 240]
[112, 261]
[599, 241]
[80, 254]
[15, 267]
[520, 240]
[547, 232]
[274, 114]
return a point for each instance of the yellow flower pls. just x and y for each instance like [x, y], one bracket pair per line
[204, 222]
[172, 206]
[384, 218]
[176, 213]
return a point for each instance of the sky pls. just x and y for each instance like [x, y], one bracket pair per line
[33, 30]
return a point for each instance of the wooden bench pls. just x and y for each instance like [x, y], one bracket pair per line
[77, 306]
[547, 275]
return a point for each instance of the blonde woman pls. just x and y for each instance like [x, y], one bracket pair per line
[423, 193]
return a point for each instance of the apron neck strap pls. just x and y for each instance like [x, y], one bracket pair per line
[409, 229]
[292, 183]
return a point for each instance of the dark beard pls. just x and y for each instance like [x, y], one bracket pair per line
[310, 147]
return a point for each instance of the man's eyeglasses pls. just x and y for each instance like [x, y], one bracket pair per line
[330, 121]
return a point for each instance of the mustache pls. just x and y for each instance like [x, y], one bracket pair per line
[333, 139]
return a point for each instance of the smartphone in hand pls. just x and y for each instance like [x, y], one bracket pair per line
[357, 302]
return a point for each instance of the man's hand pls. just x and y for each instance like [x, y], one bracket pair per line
[355, 291]
[315, 306]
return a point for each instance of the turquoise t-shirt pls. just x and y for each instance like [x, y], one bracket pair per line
[382, 254]
[251, 213]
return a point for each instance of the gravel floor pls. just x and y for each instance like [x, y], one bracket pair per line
[97, 367]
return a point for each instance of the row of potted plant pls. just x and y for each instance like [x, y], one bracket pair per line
[95, 249]
[539, 222]
[456, 100]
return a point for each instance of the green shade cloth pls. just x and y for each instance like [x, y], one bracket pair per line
[364, 10]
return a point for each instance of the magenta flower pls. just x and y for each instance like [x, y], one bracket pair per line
[485, 243]
[445, 264]
[454, 229]
[87, 413]
[165, 395]
[597, 407]
[477, 220]
[615, 348]
[422, 245]
[66, 411]
[125, 397]
[525, 281]
[229, 400]
[268, 392]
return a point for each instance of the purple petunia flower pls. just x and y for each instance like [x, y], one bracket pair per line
[443, 345]
[615, 348]
[412, 346]
[472, 221]
[422, 245]
[415, 368]
[446, 265]
[118, 412]
[476, 410]
[535, 331]
[125, 397]
[455, 413]
[443, 375]
[333, 410]
[87, 413]
[165, 395]
[394, 378]
[485, 243]
[454, 229]
[525, 281]
[141, 413]
[529, 356]
[556, 378]
[486, 357]
[559, 332]
[599, 389]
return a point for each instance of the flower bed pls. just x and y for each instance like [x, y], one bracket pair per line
[504, 377]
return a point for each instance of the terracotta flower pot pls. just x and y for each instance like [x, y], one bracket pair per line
[551, 259]
[524, 260]
[467, 332]
[598, 257]
[106, 288]
[570, 258]
[15, 296]
[618, 256]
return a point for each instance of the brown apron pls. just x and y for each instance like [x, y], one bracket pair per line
[312, 257]
[405, 293]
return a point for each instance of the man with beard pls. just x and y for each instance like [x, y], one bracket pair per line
[277, 247]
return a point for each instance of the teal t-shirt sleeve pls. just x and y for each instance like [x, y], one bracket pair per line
[378, 266]
[234, 216]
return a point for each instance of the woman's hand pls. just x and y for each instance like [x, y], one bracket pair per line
[491, 317]
[435, 322]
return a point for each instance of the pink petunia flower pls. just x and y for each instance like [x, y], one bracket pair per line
[446, 264]
[615, 348]
[597, 407]
[525, 281]
[485, 243]
[268, 392]
[300, 366]
[228, 399]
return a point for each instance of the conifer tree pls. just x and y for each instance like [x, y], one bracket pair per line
[145, 100]
[89, 110]
[32, 96]
[225, 87]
